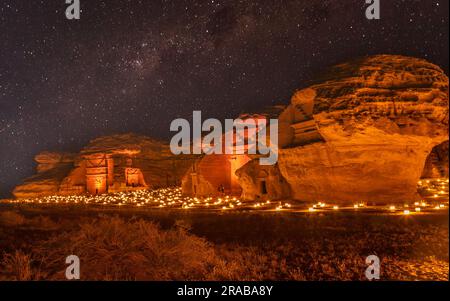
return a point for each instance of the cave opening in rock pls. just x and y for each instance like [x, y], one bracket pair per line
[436, 164]
[263, 187]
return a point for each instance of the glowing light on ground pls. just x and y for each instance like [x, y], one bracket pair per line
[172, 198]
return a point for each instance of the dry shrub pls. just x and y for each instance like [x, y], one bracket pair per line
[252, 264]
[428, 269]
[14, 219]
[120, 249]
[113, 249]
[42, 223]
[16, 266]
[11, 219]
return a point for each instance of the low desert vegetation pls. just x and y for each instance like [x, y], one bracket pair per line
[11, 218]
[251, 247]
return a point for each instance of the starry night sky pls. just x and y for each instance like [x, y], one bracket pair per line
[134, 66]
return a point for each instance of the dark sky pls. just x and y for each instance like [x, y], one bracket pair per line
[134, 66]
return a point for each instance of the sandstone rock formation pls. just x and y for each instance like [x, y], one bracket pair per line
[366, 131]
[50, 160]
[262, 182]
[363, 131]
[214, 175]
[51, 169]
[359, 133]
[436, 165]
[107, 164]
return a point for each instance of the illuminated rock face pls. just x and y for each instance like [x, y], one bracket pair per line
[214, 175]
[363, 131]
[50, 160]
[108, 164]
[262, 182]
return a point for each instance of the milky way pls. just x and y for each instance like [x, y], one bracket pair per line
[134, 66]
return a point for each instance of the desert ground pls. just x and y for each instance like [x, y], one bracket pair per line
[135, 243]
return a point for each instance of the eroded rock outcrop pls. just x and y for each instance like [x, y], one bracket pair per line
[366, 131]
[436, 165]
[214, 175]
[51, 169]
[108, 164]
[218, 174]
[262, 182]
[363, 131]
